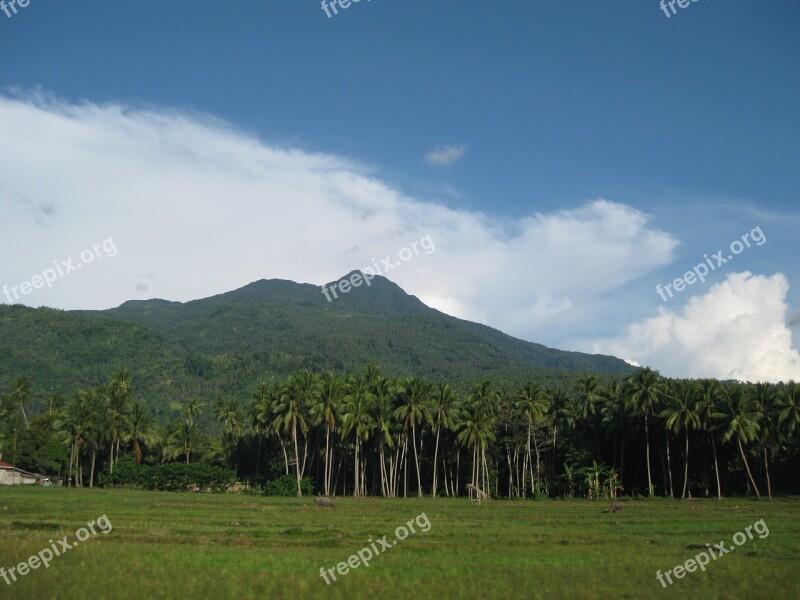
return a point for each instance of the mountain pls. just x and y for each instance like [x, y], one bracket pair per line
[225, 344]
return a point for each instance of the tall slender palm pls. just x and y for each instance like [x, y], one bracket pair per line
[531, 404]
[292, 409]
[711, 394]
[681, 414]
[383, 419]
[789, 407]
[476, 432]
[738, 420]
[355, 421]
[192, 409]
[139, 429]
[261, 416]
[20, 394]
[73, 425]
[228, 413]
[765, 405]
[443, 404]
[589, 396]
[120, 393]
[646, 389]
[326, 409]
[412, 412]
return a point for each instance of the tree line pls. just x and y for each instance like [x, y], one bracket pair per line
[369, 435]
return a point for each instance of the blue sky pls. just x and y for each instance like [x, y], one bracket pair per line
[563, 117]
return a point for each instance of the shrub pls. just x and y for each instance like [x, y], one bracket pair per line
[175, 477]
[286, 485]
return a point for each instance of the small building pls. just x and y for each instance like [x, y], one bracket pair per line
[11, 475]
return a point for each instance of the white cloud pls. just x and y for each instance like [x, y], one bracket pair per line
[202, 208]
[443, 155]
[735, 331]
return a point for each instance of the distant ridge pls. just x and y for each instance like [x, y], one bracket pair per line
[226, 344]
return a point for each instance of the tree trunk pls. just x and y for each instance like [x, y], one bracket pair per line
[766, 468]
[435, 458]
[716, 468]
[647, 438]
[747, 467]
[686, 465]
[416, 458]
[669, 469]
[296, 458]
[91, 472]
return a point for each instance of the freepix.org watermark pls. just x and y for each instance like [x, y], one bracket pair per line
[44, 557]
[367, 553]
[61, 269]
[701, 271]
[331, 5]
[10, 6]
[669, 5]
[367, 274]
[702, 559]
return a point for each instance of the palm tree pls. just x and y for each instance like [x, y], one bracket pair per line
[228, 412]
[789, 406]
[681, 414]
[443, 405]
[116, 403]
[646, 389]
[710, 396]
[415, 396]
[476, 431]
[531, 404]
[74, 424]
[764, 403]
[292, 408]
[20, 393]
[383, 419]
[326, 410]
[588, 397]
[261, 417]
[738, 420]
[139, 429]
[192, 409]
[355, 420]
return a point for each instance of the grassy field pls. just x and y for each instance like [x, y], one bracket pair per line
[166, 545]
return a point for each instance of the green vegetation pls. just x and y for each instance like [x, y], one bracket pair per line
[225, 345]
[368, 435]
[166, 545]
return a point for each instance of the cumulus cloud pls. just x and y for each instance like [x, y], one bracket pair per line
[203, 208]
[737, 331]
[443, 155]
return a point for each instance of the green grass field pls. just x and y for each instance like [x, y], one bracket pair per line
[166, 545]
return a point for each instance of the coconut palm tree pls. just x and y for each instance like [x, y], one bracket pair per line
[326, 409]
[192, 409]
[765, 405]
[475, 431]
[531, 404]
[442, 406]
[291, 408]
[20, 394]
[711, 394]
[681, 414]
[789, 407]
[738, 420]
[646, 389]
[138, 428]
[414, 394]
[73, 426]
[262, 418]
[383, 419]
[356, 421]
